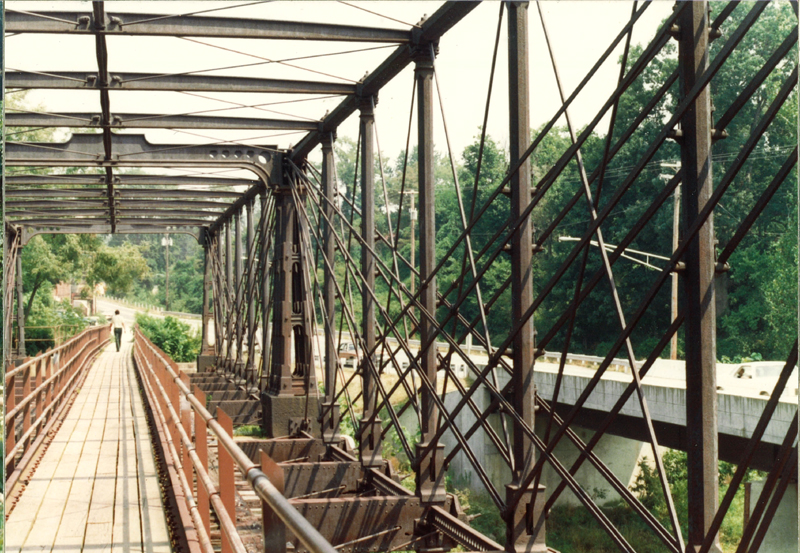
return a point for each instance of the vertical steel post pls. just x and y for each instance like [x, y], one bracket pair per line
[239, 294]
[20, 309]
[430, 476]
[231, 304]
[330, 410]
[249, 295]
[370, 429]
[250, 254]
[281, 369]
[206, 347]
[266, 327]
[521, 502]
[701, 389]
[220, 305]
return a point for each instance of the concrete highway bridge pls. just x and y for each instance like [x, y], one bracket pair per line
[130, 451]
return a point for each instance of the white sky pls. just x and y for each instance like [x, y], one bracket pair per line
[580, 31]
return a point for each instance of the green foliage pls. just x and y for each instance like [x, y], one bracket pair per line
[185, 272]
[648, 488]
[174, 337]
[487, 519]
[252, 430]
[50, 323]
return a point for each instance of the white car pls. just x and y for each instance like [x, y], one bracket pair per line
[756, 376]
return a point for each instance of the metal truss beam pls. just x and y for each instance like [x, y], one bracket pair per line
[141, 204]
[150, 121]
[119, 193]
[125, 180]
[431, 30]
[29, 231]
[237, 206]
[88, 221]
[82, 80]
[144, 24]
[106, 210]
[133, 150]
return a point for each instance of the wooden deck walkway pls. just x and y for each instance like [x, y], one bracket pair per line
[96, 488]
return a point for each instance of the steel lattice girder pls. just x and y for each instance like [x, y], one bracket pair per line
[124, 180]
[141, 24]
[77, 80]
[150, 121]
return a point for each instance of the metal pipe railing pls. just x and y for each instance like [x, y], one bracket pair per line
[45, 383]
[158, 361]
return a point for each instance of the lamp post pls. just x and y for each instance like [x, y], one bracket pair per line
[167, 242]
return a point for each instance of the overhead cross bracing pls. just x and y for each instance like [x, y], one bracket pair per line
[306, 266]
[111, 152]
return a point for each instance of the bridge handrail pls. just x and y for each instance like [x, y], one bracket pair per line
[263, 487]
[48, 396]
[29, 361]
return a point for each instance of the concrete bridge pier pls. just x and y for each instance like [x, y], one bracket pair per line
[782, 534]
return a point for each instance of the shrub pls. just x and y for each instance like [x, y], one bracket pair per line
[174, 337]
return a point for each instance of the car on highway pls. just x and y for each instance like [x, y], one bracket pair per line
[348, 354]
[755, 376]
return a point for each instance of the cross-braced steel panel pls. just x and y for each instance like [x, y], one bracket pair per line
[304, 270]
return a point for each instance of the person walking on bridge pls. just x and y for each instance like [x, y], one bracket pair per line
[118, 325]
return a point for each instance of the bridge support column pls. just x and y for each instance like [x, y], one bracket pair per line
[286, 403]
[430, 476]
[220, 297]
[266, 301]
[524, 505]
[370, 425]
[207, 358]
[238, 290]
[20, 308]
[230, 289]
[330, 409]
[250, 376]
[700, 260]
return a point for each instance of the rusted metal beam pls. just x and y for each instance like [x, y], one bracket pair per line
[370, 424]
[80, 80]
[126, 180]
[521, 501]
[698, 280]
[430, 475]
[133, 150]
[151, 121]
[330, 408]
[430, 31]
[152, 24]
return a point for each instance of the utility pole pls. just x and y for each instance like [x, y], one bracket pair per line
[676, 218]
[166, 242]
[412, 212]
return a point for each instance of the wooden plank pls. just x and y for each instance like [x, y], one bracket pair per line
[72, 527]
[96, 487]
[48, 518]
[101, 512]
[126, 534]
[155, 536]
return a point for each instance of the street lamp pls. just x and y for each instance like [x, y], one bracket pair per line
[167, 242]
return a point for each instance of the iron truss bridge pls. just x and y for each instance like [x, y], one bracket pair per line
[305, 267]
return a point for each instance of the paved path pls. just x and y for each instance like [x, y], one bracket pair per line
[96, 488]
